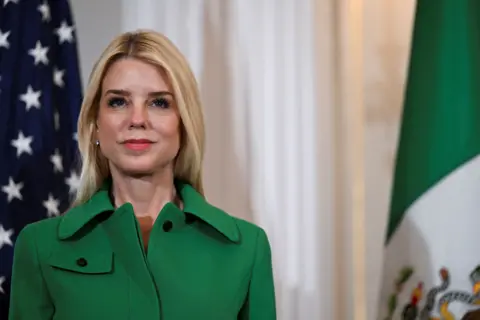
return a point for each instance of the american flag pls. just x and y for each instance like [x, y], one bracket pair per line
[40, 100]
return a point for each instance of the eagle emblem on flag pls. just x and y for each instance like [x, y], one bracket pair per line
[437, 298]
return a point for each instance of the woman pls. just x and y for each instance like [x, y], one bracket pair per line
[141, 242]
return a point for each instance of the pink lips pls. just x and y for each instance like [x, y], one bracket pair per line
[138, 144]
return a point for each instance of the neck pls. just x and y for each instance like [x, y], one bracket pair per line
[148, 194]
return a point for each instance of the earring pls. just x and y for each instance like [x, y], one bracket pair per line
[97, 142]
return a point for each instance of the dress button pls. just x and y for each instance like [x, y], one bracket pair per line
[82, 262]
[167, 225]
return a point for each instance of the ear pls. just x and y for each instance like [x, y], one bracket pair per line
[94, 130]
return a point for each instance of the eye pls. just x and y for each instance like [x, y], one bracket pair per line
[161, 103]
[116, 102]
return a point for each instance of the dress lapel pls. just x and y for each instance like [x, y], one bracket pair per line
[97, 226]
[123, 233]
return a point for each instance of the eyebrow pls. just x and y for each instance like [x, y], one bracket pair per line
[127, 93]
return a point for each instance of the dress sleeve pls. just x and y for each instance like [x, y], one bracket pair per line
[260, 303]
[29, 298]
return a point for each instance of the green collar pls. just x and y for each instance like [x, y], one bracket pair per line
[194, 203]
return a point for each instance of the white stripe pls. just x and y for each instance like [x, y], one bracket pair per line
[439, 230]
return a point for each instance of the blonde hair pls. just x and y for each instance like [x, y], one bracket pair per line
[158, 50]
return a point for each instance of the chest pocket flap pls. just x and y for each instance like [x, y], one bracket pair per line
[87, 263]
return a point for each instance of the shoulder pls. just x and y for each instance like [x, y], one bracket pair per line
[255, 235]
[254, 244]
[249, 233]
[249, 229]
[44, 226]
[41, 233]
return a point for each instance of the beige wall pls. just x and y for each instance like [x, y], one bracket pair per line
[388, 26]
[368, 65]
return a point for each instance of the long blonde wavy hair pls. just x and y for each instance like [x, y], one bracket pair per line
[156, 49]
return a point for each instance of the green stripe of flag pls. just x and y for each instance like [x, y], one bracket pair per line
[441, 118]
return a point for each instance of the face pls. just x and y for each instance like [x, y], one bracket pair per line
[138, 121]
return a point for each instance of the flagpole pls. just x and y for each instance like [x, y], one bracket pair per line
[357, 138]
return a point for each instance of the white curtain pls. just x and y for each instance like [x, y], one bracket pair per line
[278, 145]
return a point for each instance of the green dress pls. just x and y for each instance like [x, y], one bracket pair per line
[91, 263]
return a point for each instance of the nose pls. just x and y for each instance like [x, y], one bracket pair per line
[138, 116]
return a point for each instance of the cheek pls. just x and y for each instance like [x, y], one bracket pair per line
[107, 126]
[111, 119]
[169, 127]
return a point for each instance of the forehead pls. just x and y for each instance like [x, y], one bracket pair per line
[135, 75]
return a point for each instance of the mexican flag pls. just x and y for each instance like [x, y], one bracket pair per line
[432, 258]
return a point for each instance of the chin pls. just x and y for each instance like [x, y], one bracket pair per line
[140, 167]
[137, 171]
